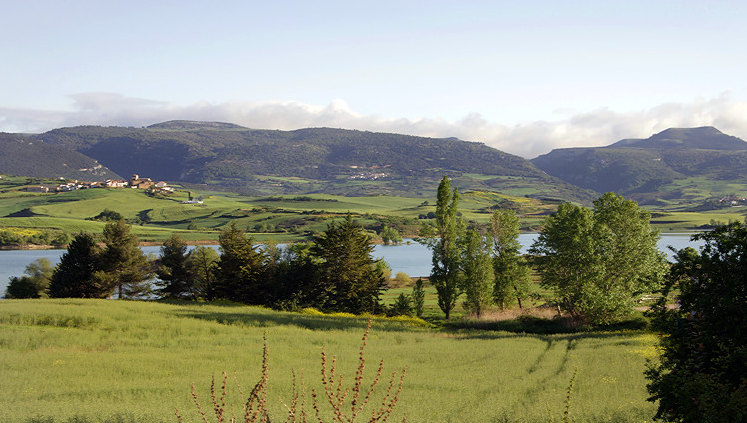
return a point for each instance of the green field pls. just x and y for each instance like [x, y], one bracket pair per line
[105, 360]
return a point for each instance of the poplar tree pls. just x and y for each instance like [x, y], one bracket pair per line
[512, 274]
[443, 240]
[478, 273]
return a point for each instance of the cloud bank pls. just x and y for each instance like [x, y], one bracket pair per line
[529, 139]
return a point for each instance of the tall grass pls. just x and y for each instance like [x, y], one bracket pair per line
[99, 360]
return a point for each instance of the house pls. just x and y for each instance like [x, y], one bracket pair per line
[114, 183]
[140, 183]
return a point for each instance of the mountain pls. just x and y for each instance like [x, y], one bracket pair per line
[327, 160]
[24, 156]
[647, 169]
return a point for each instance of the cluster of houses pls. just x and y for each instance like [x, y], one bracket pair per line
[733, 200]
[135, 182]
[369, 176]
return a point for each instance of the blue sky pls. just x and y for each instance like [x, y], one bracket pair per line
[524, 78]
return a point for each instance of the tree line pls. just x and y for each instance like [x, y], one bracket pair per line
[597, 261]
[335, 272]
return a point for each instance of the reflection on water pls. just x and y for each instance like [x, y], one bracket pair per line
[413, 258]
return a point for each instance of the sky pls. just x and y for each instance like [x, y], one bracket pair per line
[524, 77]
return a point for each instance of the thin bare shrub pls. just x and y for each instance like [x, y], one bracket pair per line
[347, 404]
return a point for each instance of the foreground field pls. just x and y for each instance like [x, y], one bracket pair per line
[99, 360]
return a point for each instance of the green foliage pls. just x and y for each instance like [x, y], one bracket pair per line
[239, 271]
[477, 268]
[600, 261]
[201, 263]
[442, 237]
[418, 297]
[175, 278]
[702, 372]
[122, 262]
[35, 281]
[390, 235]
[349, 277]
[78, 275]
[512, 274]
[403, 306]
[108, 215]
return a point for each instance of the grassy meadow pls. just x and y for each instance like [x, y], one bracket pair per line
[104, 360]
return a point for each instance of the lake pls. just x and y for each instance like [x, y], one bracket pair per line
[413, 258]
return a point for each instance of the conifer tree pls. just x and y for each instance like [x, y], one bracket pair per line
[348, 277]
[78, 274]
[123, 262]
[239, 270]
[176, 281]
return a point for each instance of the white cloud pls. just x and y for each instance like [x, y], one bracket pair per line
[528, 139]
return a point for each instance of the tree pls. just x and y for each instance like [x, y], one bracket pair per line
[512, 274]
[702, 372]
[123, 262]
[477, 268]
[78, 274]
[390, 235]
[201, 263]
[443, 239]
[239, 270]
[600, 262]
[176, 280]
[349, 279]
[418, 297]
[35, 281]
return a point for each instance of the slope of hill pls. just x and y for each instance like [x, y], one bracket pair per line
[306, 160]
[645, 169]
[24, 156]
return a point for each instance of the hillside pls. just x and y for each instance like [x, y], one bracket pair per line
[313, 160]
[669, 165]
[24, 156]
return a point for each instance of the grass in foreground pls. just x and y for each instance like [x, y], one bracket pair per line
[99, 360]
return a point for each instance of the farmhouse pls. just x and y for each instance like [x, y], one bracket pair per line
[140, 183]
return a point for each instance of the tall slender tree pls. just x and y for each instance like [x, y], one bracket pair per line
[443, 240]
[477, 266]
[512, 274]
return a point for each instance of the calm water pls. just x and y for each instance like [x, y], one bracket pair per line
[413, 259]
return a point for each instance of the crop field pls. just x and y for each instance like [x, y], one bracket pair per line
[107, 360]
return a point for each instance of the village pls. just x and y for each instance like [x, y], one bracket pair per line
[136, 182]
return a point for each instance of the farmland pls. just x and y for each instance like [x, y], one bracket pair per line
[99, 360]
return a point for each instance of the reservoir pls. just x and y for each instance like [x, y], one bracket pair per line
[411, 258]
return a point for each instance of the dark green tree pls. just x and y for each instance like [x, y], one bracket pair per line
[442, 237]
[512, 274]
[477, 268]
[600, 262]
[123, 262]
[240, 269]
[175, 278]
[78, 275]
[702, 372]
[348, 278]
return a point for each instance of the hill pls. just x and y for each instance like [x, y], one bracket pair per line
[312, 160]
[669, 166]
[25, 156]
